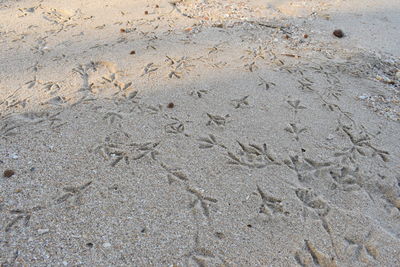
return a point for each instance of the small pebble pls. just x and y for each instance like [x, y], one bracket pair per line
[133, 52]
[338, 33]
[8, 173]
[146, 12]
[106, 245]
[43, 231]
[170, 105]
[397, 75]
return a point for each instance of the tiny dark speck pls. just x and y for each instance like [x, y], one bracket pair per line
[171, 105]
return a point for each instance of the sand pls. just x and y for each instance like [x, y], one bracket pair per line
[199, 133]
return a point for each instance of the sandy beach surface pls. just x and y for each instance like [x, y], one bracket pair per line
[199, 133]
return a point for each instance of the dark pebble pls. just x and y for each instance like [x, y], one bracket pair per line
[338, 33]
[8, 173]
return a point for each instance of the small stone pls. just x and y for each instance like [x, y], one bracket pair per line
[363, 97]
[43, 231]
[106, 245]
[330, 137]
[14, 156]
[8, 173]
[397, 75]
[338, 33]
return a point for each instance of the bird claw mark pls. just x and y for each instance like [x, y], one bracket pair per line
[198, 93]
[111, 117]
[266, 84]
[363, 249]
[307, 168]
[176, 127]
[349, 179]
[209, 142]
[51, 87]
[203, 201]
[73, 191]
[253, 156]
[201, 256]
[360, 145]
[178, 66]
[145, 149]
[293, 129]
[310, 199]
[251, 66]
[237, 103]
[318, 257]
[23, 215]
[305, 84]
[270, 205]
[174, 173]
[125, 150]
[33, 82]
[296, 105]
[216, 120]
[255, 53]
[8, 130]
[149, 68]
